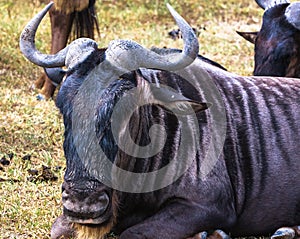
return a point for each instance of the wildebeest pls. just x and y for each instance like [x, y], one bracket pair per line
[67, 14]
[277, 47]
[226, 148]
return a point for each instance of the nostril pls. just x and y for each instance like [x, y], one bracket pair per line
[103, 200]
[65, 196]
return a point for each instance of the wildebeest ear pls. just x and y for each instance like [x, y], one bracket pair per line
[56, 74]
[176, 103]
[249, 36]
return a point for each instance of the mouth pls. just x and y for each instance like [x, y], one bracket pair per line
[88, 221]
[86, 218]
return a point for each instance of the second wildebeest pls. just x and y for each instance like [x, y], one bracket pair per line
[277, 44]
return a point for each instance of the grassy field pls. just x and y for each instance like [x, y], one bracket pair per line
[31, 131]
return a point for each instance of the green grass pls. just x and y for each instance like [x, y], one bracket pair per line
[31, 127]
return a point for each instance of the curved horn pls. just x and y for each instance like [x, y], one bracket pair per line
[266, 4]
[28, 48]
[129, 55]
[292, 14]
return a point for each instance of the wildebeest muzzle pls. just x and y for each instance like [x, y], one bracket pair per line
[85, 206]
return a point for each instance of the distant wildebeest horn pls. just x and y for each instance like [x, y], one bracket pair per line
[124, 54]
[266, 4]
[292, 14]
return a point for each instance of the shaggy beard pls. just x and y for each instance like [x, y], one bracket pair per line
[86, 232]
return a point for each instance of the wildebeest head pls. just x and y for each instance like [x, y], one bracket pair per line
[277, 44]
[86, 200]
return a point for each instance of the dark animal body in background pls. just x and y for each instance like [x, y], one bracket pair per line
[277, 44]
[176, 34]
[79, 15]
[253, 188]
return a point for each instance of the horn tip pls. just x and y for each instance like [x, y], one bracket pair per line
[171, 9]
[168, 5]
[49, 5]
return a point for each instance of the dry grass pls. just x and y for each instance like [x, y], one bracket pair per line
[30, 127]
